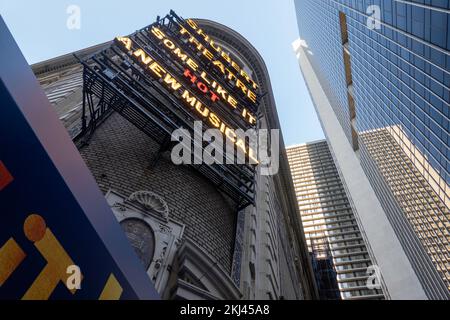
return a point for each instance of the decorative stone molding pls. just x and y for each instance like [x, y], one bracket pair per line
[151, 201]
[201, 278]
[151, 209]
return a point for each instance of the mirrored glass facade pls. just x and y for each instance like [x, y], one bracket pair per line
[385, 66]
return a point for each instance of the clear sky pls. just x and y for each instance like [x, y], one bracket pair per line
[40, 29]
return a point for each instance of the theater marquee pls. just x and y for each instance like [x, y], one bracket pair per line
[170, 74]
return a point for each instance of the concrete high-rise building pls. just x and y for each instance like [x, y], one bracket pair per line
[201, 232]
[379, 76]
[339, 255]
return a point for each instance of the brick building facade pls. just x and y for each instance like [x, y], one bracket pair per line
[190, 236]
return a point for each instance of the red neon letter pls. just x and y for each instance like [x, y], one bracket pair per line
[202, 87]
[214, 97]
[188, 74]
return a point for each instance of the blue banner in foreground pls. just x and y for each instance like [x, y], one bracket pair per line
[58, 237]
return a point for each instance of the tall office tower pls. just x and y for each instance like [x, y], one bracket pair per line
[379, 76]
[201, 231]
[339, 255]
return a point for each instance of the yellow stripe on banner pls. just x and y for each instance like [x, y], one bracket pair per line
[57, 259]
[112, 290]
[44, 285]
[11, 255]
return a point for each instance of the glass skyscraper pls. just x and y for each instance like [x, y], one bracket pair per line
[384, 68]
[338, 253]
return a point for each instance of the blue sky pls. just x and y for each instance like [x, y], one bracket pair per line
[39, 28]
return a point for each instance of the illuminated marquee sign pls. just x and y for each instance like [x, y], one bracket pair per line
[172, 73]
[218, 91]
[230, 74]
[160, 73]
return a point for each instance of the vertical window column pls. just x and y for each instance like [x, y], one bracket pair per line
[348, 78]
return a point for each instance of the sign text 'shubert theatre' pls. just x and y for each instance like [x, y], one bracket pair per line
[53, 216]
[168, 76]
[200, 80]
